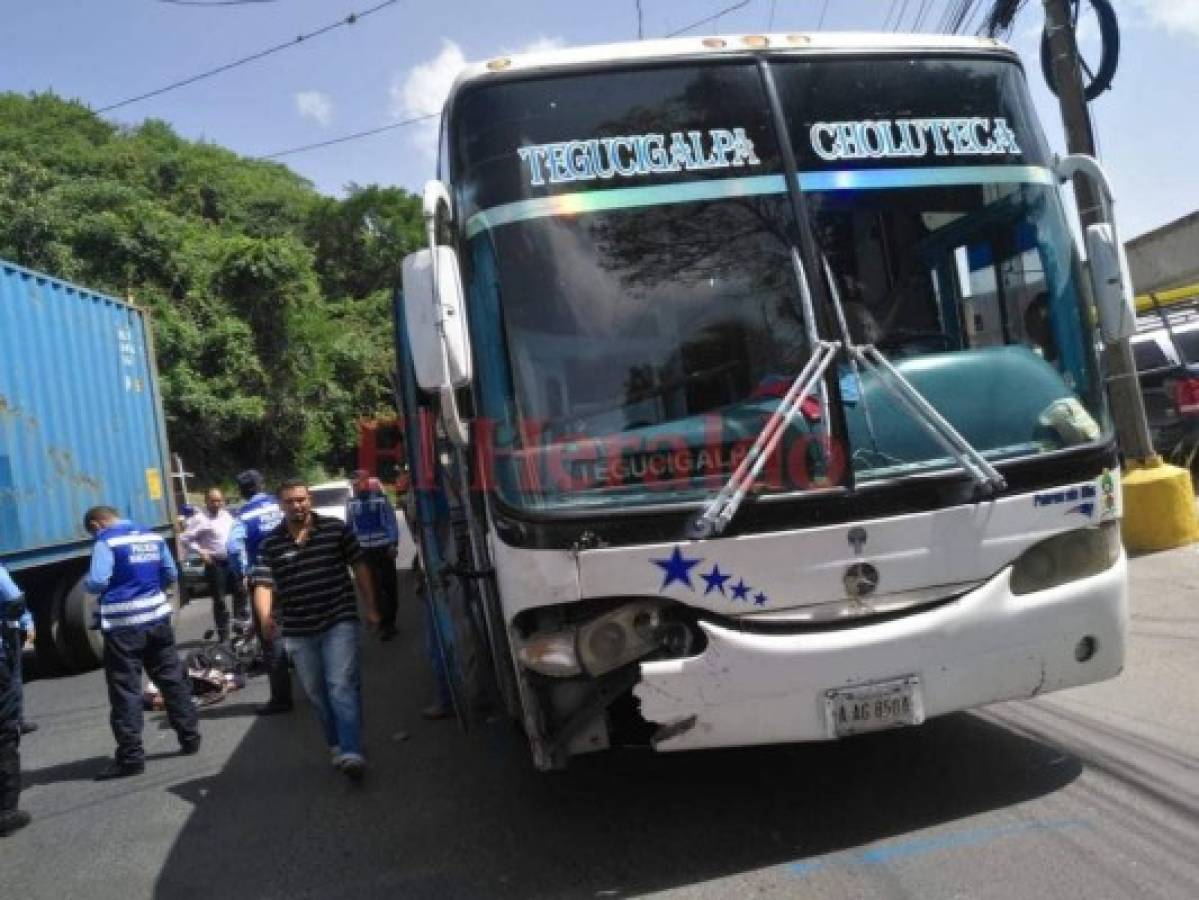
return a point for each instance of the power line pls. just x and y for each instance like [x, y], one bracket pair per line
[350, 137]
[887, 17]
[348, 20]
[640, 28]
[770, 21]
[924, 8]
[903, 11]
[946, 23]
[823, 10]
[974, 9]
[711, 18]
[215, 2]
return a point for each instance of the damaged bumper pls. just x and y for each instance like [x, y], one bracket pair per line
[987, 646]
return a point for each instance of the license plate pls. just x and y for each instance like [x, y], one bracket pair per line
[874, 707]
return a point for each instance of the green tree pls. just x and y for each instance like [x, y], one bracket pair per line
[271, 304]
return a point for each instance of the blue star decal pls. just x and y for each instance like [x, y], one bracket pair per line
[760, 598]
[715, 580]
[677, 568]
[741, 590]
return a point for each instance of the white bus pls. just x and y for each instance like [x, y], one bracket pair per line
[765, 371]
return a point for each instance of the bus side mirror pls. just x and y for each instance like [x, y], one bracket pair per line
[1110, 279]
[436, 318]
[1111, 283]
[420, 312]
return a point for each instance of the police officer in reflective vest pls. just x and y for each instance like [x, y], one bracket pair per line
[373, 520]
[12, 608]
[130, 568]
[258, 516]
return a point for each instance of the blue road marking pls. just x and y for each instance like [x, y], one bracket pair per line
[887, 853]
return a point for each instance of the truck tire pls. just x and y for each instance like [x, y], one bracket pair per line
[49, 660]
[81, 645]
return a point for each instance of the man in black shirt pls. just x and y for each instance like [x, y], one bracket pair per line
[302, 585]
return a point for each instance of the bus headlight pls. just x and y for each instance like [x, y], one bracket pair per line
[550, 653]
[620, 636]
[607, 642]
[1066, 557]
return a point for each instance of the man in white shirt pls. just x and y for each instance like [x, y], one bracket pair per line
[207, 537]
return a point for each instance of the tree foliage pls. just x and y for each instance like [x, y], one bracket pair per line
[270, 302]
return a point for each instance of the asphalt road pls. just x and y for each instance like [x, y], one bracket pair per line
[1089, 793]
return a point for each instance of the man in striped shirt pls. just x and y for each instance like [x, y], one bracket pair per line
[302, 587]
[130, 567]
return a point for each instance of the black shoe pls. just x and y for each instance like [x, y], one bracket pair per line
[13, 820]
[272, 709]
[190, 746]
[28, 727]
[120, 770]
[387, 632]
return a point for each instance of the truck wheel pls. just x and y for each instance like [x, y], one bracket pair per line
[49, 660]
[81, 645]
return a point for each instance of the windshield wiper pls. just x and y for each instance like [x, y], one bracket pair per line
[873, 361]
[718, 511]
[973, 462]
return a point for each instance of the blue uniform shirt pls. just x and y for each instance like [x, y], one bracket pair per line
[9, 592]
[255, 520]
[130, 567]
[373, 520]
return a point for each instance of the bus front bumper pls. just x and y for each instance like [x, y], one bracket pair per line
[988, 645]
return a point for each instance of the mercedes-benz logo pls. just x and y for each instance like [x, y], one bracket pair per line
[860, 580]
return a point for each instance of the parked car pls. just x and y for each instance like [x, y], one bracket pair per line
[192, 583]
[330, 498]
[1167, 361]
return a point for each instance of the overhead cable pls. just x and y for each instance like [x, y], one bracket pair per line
[920, 14]
[350, 137]
[707, 19]
[348, 20]
[887, 17]
[215, 2]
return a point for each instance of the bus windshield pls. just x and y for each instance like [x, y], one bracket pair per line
[638, 306]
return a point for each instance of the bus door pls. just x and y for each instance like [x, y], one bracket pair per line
[430, 516]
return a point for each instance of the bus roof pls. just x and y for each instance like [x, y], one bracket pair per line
[788, 43]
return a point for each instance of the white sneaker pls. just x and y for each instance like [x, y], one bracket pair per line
[352, 765]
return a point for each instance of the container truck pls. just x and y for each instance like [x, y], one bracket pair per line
[762, 372]
[81, 424]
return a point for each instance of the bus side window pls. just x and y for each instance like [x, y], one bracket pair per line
[982, 318]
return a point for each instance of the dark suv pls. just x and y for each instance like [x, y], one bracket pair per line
[1166, 352]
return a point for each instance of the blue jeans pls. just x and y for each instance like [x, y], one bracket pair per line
[327, 664]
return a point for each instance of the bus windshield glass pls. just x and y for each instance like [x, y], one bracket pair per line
[638, 306]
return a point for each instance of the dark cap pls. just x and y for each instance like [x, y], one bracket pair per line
[250, 480]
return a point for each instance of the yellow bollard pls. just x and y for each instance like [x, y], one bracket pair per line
[1159, 506]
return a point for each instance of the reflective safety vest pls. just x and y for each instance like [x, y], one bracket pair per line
[259, 516]
[141, 568]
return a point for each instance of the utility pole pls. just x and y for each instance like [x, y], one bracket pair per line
[1124, 391]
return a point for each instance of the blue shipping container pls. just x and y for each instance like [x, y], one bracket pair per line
[80, 417]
